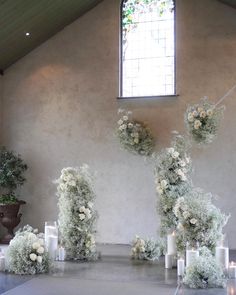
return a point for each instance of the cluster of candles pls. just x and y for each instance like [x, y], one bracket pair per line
[221, 254]
[51, 241]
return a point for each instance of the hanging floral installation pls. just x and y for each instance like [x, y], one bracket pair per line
[27, 254]
[134, 136]
[77, 216]
[202, 121]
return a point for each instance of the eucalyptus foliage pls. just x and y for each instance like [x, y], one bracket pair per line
[134, 135]
[12, 170]
[204, 272]
[77, 216]
[172, 172]
[27, 254]
[202, 121]
[199, 220]
[147, 249]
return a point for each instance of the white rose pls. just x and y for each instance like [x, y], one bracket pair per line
[35, 245]
[136, 140]
[203, 114]
[125, 118]
[40, 250]
[120, 128]
[120, 122]
[209, 112]
[197, 124]
[193, 220]
[82, 216]
[164, 183]
[183, 177]
[142, 249]
[87, 211]
[72, 183]
[82, 209]
[200, 109]
[33, 256]
[190, 117]
[124, 126]
[39, 259]
[175, 155]
[136, 134]
[130, 125]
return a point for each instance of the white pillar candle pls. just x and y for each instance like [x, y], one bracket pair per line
[2, 262]
[171, 244]
[51, 245]
[232, 270]
[61, 254]
[168, 261]
[222, 256]
[180, 266]
[190, 256]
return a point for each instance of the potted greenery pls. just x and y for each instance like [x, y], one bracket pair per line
[12, 170]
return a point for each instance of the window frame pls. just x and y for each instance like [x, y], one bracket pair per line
[121, 60]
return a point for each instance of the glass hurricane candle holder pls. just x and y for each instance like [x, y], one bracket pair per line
[222, 252]
[192, 252]
[51, 238]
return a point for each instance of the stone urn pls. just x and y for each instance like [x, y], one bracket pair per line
[10, 218]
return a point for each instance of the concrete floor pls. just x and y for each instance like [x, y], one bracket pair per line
[114, 274]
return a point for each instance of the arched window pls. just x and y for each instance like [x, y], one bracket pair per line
[147, 55]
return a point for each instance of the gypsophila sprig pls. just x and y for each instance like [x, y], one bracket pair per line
[172, 178]
[204, 272]
[146, 249]
[134, 136]
[202, 121]
[199, 220]
[27, 254]
[77, 216]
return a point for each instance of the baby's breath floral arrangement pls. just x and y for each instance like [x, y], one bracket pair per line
[146, 249]
[77, 216]
[204, 272]
[199, 220]
[202, 121]
[133, 135]
[172, 173]
[27, 254]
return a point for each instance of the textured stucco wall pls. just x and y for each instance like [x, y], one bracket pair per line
[60, 110]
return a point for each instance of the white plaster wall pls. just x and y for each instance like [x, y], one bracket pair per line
[60, 110]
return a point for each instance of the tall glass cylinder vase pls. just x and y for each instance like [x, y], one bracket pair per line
[51, 238]
[222, 252]
[192, 252]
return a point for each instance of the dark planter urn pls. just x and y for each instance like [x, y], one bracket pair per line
[10, 218]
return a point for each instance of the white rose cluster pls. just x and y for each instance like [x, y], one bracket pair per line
[146, 249]
[77, 217]
[202, 121]
[27, 254]
[134, 136]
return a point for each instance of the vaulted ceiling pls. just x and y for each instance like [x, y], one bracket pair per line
[25, 24]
